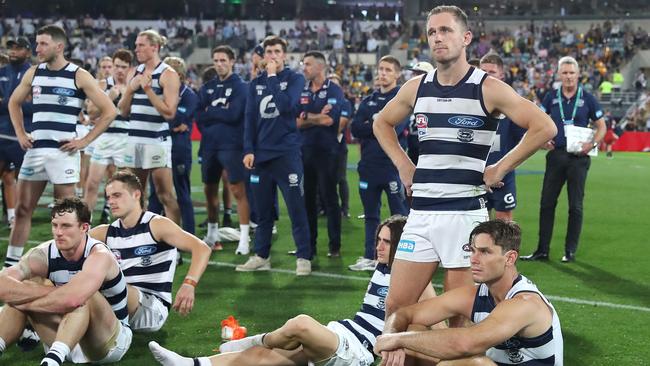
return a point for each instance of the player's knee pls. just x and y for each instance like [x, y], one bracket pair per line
[298, 325]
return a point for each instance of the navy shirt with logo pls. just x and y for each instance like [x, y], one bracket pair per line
[10, 77]
[220, 115]
[372, 155]
[272, 106]
[588, 110]
[322, 137]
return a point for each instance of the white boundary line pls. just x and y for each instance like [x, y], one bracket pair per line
[569, 300]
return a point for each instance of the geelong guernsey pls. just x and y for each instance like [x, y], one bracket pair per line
[146, 125]
[546, 349]
[455, 132]
[57, 102]
[60, 271]
[120, 124]
[148, 264]
[368, 323]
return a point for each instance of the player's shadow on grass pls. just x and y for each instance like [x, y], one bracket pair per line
[577, 343]
[604, 281]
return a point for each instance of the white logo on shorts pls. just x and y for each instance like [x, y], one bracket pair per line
[293, 179]
[393, 186]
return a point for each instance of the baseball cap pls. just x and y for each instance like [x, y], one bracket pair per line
[259, 50]
[20, 42]
[422, 66]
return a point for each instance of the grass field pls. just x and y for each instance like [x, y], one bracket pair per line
[603, 299]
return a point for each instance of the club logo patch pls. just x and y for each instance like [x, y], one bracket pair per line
[465, 135]
[293, 178]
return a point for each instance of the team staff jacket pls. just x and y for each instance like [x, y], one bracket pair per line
[372, 155]
[220, 113]
[588, 109]
[271, 110]
[187, 103]
[10, 77]
[322, 137]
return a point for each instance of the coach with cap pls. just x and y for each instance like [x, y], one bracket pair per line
[20, 51]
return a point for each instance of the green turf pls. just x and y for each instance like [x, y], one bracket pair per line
[610, 268]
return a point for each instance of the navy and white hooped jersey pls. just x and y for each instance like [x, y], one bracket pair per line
[546, 349]
[120, 124]
[60, 271]
[57, 102]
[455, 132]
[368, 323]
[148, 264]
[146, 125]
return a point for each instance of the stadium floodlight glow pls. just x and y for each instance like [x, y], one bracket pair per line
[331, 2]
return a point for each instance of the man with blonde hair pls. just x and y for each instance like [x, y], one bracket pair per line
[149, 101]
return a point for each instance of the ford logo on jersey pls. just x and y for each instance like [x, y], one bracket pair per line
[466, 121]
[63, 91]
[145, 250]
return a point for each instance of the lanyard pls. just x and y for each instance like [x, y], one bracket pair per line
[575, 106]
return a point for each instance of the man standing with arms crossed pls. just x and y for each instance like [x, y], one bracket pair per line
[149, 101]
[222, 102]
[455, 109]
[320, 103]
[58, 90]
[272, 152]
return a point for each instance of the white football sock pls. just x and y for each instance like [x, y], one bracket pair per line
[242, 344]
[168, 358]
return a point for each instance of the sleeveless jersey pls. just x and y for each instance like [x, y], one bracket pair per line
[57, 102]
[146, 125]
[455, 132]
[60, 271]
[120, 124]
[546, 349]
[148, 264]
[368, 323]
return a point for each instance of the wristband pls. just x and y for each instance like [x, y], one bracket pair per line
[191, 282]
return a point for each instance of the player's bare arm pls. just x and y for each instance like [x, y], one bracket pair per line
[501, 98]
[124, 105]
[509, 318]
[20, 94]
[89, 85]
[171, 83]
[166, 230]
[13, 290]
[433, 310]
[99, 232]
[400, 107]
[63, 299]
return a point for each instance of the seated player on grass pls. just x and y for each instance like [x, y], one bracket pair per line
[302, 339]
[145, 245]
[513, 322]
